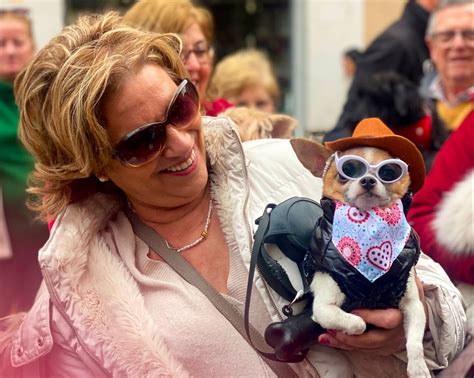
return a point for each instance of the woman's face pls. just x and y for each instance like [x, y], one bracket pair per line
[196, 57]
[255, 96]
[16, 47]
[178, 174]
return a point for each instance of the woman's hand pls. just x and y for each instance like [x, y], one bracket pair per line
[387, 338]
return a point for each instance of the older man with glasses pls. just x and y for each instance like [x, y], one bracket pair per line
[450, 38]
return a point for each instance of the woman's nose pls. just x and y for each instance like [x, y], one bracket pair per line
[178, 142]
[10, 48]
[192, 63]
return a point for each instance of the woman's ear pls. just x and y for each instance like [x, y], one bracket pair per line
[311, 154]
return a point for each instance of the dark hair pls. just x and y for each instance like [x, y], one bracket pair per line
[388, 96]
[353, 54]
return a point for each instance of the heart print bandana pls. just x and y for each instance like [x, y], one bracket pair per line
[370, 240]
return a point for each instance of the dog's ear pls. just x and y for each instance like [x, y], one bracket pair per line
[312, 155]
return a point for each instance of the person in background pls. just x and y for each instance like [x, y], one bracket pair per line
[450, 38]
[195, 26]
[246, 78]
[19, 273]
[442, 212]
[396, 100]
[118, 135]
[400, 48]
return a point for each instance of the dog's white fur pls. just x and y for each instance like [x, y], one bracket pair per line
[328, 298]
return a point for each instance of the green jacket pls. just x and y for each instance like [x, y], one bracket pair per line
[15, 162]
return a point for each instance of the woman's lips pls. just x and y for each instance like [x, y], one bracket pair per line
[184, 168]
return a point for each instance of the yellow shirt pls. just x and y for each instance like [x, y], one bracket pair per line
[453, 116]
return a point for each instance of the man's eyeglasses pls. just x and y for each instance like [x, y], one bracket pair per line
[448, 35]
[200, 52]
[146, 142]
[352, 167]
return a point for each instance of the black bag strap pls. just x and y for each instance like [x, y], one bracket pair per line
[291, 228]
[263, 226]
[185, 270]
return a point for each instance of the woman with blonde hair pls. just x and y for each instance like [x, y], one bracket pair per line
[246, 78]
[195, 26]
[140, 183]
[19, 273]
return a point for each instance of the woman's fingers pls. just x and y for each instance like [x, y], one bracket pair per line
[332, 341]
[388, 337]
[388, 319]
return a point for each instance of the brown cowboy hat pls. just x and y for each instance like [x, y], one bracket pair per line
[372, 132]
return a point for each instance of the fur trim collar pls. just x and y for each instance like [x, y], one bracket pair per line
[95, 291]
[456, 210]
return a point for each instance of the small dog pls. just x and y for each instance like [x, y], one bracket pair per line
[363, 249]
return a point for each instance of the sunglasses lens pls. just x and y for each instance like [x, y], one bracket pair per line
[390, 172]
[143, 145]
[354, 168]
[185, 107]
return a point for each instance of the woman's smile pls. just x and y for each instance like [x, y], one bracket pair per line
[185, 167]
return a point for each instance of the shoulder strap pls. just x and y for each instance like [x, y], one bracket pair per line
[185, 270]
[263, 225]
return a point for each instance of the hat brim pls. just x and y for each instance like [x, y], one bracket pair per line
[396, 145]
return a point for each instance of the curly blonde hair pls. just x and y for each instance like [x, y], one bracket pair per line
[170, 16]
[61, 93]
[240, 70]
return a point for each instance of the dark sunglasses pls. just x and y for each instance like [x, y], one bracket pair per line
[146, 142]
[353, 167]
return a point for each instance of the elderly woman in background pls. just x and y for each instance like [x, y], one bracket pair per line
[118, 135]
[246, 78]
[195, 26]
[19, 273]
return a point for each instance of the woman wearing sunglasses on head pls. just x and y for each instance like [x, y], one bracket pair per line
[195, 26]
[121, 148]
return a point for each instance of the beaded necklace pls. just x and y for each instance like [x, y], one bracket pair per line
[201, 237]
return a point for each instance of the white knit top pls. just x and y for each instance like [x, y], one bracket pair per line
[194, 331]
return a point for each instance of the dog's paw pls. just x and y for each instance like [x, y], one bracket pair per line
[418, 369]
[354, 325]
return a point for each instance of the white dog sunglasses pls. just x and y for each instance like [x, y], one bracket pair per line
[353, 167]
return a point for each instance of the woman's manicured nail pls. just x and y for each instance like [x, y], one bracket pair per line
[324, 340]
[332, 332]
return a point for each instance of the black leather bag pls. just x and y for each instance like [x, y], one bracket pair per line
[289, 225]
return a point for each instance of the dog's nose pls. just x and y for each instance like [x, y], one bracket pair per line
[367, 182]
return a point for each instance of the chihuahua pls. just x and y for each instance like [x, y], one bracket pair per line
[363, 249]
